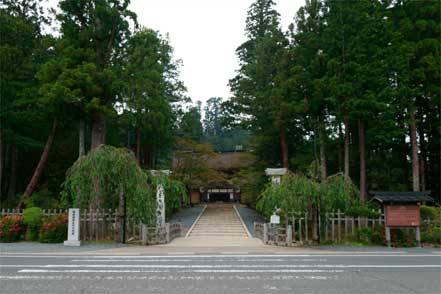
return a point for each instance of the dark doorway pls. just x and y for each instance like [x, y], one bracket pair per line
[225, 197]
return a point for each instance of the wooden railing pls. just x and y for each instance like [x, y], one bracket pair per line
[106, 224]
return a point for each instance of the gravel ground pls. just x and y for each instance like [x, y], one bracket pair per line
[250, 216]
[187, 216]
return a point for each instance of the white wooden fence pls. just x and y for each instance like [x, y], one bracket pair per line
[106, 224]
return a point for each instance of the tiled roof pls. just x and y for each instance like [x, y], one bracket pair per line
[408, 197]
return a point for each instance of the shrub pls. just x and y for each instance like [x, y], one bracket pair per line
[433, 236]
[11, 228]
[362, 210]
[32, 218]
[54, 229]
[369, 235]
[430, 212]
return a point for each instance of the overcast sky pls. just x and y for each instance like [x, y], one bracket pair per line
[205, 35]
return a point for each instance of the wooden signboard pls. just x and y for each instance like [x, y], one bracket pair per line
[402, 215]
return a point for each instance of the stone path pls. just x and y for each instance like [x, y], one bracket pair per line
[219, 220]
[219, 225]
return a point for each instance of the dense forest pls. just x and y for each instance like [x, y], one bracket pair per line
[352, 87]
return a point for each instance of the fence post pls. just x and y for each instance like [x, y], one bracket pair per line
[294, 228]
[143, 234]
[167, 233]
[306, 227]
[332, 226]
[289, 235]
[265, 233]
[339, 225]
[346, 226]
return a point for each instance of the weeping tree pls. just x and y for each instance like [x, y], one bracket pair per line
[175, 193]
[297, 193]
[106, 178]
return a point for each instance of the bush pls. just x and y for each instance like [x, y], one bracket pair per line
[54, 229]
[371, 236]
[430, 212]
[362, 210]
[432, 235]
[32, 218]
[11, 228]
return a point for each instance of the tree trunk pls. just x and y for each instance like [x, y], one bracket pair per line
[423, 160]
[284, 148]
[13, 171]
[2, 163]
[81, 146]
[322, 138]
[42, 163]
[362, 148]
[98, 131]
[138, 144]
[414, 145]
[347, 146]
[340, 148]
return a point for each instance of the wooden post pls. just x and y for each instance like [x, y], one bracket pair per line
[143, 234]
[346, 226]
[339, 225]
[388, 237]
[294, 228]
[306, 227]
[289, 235]
[353, 226]
[418, 237]
[332, 226]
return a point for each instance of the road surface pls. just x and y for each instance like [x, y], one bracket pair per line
[338, 273]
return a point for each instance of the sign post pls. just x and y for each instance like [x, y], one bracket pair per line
[73, 228]
[402, 210]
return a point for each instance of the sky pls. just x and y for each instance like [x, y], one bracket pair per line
[205, 35]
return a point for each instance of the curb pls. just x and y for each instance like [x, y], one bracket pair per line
[195, 222]
[242, 222]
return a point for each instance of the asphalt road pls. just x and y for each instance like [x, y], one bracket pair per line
[271, 273]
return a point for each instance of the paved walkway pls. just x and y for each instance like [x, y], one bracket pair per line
[219, 225]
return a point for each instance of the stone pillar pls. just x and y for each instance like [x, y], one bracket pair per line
[73, 228]
[160, 206]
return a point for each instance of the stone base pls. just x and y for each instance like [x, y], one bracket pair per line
[72, 243]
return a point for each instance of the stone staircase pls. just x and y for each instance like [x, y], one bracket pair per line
[219, 220]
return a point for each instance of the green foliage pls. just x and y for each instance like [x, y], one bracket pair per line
[54, 229]
[338, 193]
[32, 218]
[296, 192]
[252, 181]
[175, 193]
[371, 235]
[11, 228]
[106, 176]
[431, 235]
[293, 194]
[430, 212]
[42, 198]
